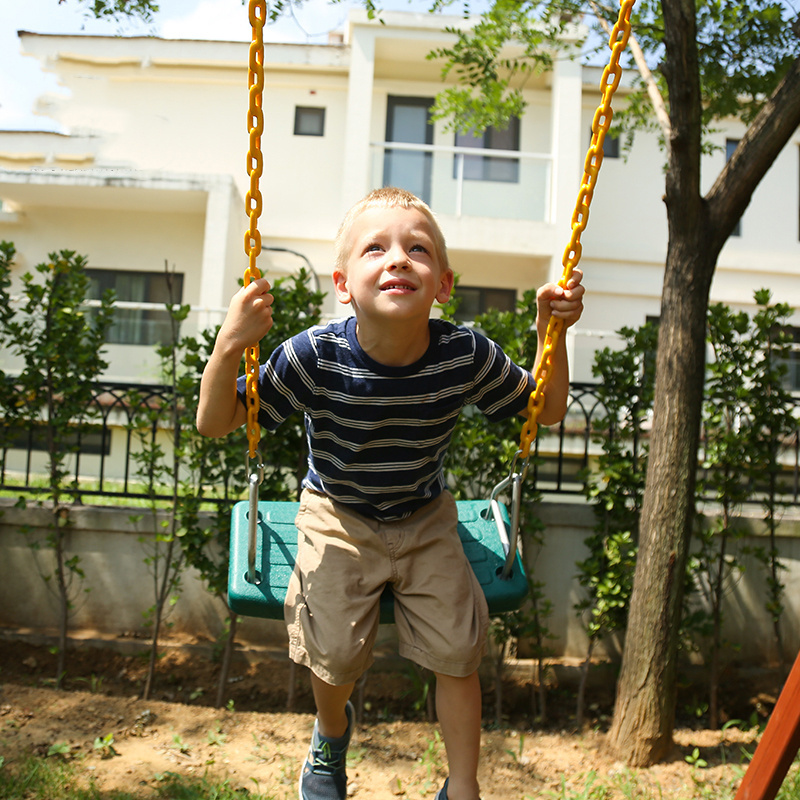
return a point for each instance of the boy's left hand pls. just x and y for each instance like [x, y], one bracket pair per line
[566, 304]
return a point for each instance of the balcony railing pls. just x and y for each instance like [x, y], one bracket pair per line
[102, 458]
[467, 181]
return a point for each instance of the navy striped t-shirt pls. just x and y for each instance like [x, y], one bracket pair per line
[377, 435]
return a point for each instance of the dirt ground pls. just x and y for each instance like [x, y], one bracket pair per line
[129, 744]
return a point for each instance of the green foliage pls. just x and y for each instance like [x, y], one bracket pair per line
[772, 424]
[118, 9]
[480, 456]
[59, 343]
[616, 488]
[200, 469]
[487, 80]
[744, 49]
[715, 564]
[481, 452]
[748, 420]
[222, 462]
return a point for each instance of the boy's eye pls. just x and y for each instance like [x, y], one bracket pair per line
[373, 248]
[419, 248]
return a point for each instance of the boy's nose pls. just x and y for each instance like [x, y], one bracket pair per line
[398, 259]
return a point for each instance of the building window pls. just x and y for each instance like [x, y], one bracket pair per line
[730, 146]
[791, 380]
[490, 168]
[409, 121]
[140, 326]
[477, 300]
[309, 121]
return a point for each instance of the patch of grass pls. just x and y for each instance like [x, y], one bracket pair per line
[179, 787]
[38, 778]
[49, 778]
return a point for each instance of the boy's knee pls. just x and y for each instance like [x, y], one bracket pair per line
[340, 665]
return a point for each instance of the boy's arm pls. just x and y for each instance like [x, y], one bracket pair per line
[249, 317]
[566, 304]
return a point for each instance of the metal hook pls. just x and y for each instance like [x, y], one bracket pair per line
[509, 538]
[254, 481]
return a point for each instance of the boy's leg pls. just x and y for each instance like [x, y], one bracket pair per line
[458, 706]
[331, 702]
[324, 775]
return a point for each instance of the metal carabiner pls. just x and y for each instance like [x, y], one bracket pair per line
[254, 481]
[509, 538]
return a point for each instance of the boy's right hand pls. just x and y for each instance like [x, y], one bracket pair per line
[249, 316]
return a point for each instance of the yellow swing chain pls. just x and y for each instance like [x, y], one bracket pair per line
[572, 254]
[252, 239]
[612, 74]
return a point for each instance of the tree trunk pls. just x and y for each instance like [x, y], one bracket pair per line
[151, 664]
[499, 665]
[227, 653]
[581, 701]
[63, 601]
[644, 715]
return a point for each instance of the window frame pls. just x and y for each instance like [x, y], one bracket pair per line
[305, 112]
[481, 294]
[489, 168]
[139, 327]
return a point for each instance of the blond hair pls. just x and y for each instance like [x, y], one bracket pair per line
[387, 197]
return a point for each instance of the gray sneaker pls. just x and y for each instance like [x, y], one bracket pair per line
[323, 776]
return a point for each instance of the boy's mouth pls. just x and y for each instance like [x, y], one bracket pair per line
[398, 286]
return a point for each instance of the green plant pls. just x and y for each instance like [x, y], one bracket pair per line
[431, 758]
[105, 746]
[772, 423]
[422, 691]
[216, 736]
[60, 345]
[517, 754]
[95, 683]
[60, 749]
[616, 488]
[726, 451]
[220, 462]
[479, 457]
[591, 790]
[162, 466]
[179, 744]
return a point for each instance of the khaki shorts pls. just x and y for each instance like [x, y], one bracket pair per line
[344, 560]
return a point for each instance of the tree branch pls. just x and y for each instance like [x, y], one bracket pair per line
[767, 135]
[656, 98]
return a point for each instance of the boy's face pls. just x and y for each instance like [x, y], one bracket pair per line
[392, 270]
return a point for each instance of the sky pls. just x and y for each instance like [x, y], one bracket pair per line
[22, 80]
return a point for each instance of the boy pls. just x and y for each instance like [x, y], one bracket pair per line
[381, 393]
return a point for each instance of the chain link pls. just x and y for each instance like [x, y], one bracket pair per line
[252, 240]
[580, 217]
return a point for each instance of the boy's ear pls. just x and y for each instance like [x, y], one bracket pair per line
[340, 287]
[445, 286]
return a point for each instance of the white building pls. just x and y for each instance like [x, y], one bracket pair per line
[151, 170]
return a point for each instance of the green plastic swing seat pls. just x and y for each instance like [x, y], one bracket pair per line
[276, 550]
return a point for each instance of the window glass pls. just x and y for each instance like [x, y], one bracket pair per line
[140, 326]
[489, 168]
[309, 121]
[477, 300]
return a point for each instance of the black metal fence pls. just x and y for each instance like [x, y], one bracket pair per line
[102, 454]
